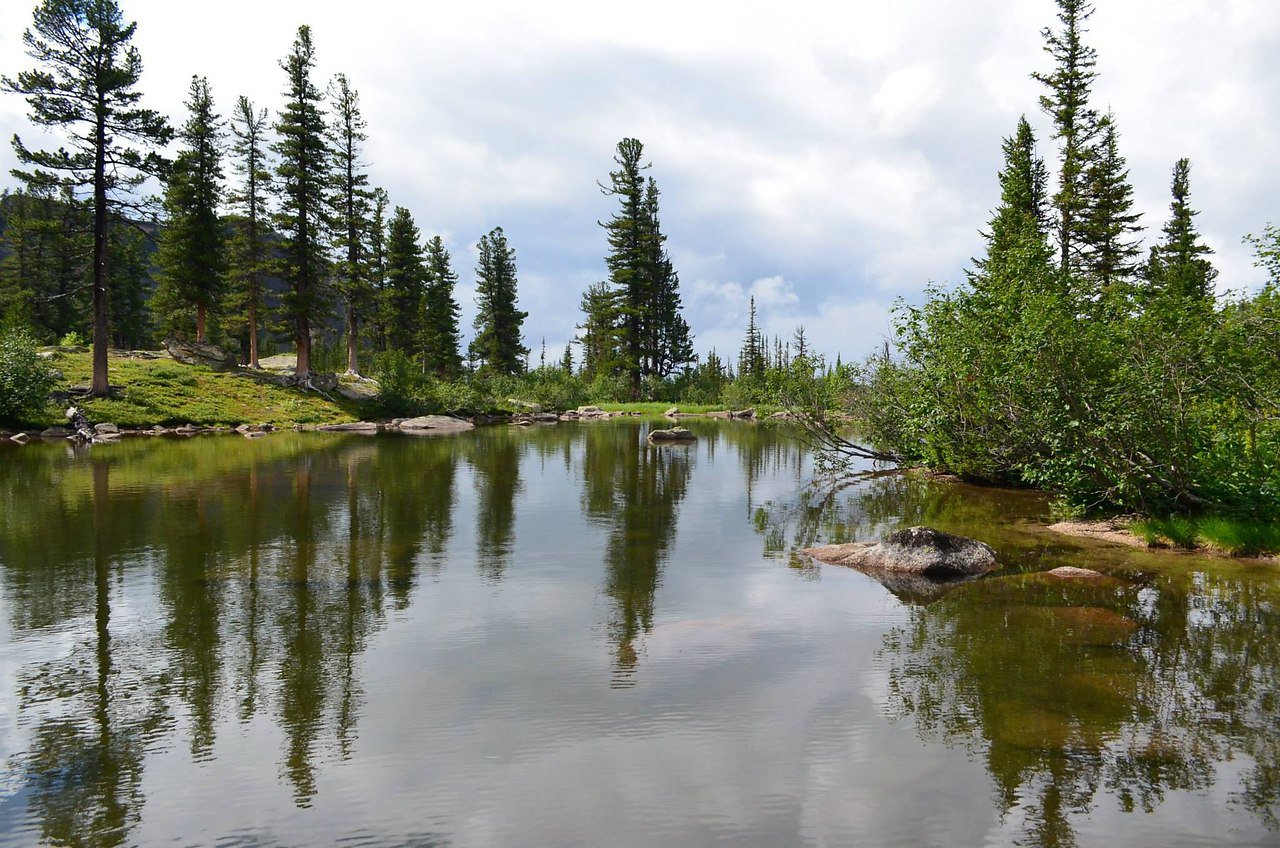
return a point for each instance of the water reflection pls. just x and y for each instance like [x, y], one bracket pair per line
[1070, 690]
[635, 490]
[174, 607]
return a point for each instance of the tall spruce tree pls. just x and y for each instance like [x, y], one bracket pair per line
[406, 283]
[1018, 252]
[249, 254]
[498, 346]
[652, 335]
[376, 250]
[668, 341]
[86, 84]
[303, 177]
[1178, 265]
[752, 360]
[1075, 122]
[439, 338]
[192, 255]
[351, 219]
[1110, 254]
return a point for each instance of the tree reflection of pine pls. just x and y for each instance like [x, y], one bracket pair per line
[277, 560]
[635, 489]
[1068, 688]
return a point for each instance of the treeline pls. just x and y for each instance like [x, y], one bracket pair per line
[294, 244]
[269, 236]
[1073, 360]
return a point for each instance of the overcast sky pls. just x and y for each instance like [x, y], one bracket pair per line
[826, 158]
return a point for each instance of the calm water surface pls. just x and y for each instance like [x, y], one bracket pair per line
[563, 636]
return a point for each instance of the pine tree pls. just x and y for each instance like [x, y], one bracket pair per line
[497, 346]
[248, 250]
[602, 333]
[192, 254]
[653, 337]
[1110, 253]
[352, 215]
[376, 267]
[440, 340]
[752, 359]
[566, 360]
[87, 84]
[303, 176]
[406, 282]
[1177, 265]
[1075, 123]
[1018, 252]
[670, 344]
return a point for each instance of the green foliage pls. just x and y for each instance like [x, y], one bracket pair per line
[25, 379]
[247, 247]
[85, 85]
[1240, 537]
[302, 179]
[401, 386]
[1177, 530]
[192, 254]
[71, 339]
[439, 338]
[147, 392]
[633, 324]
[498, 346]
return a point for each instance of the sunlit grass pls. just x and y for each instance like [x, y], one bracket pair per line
[147, 392]
[1236, 536]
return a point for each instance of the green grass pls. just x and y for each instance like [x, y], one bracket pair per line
[161, 391]
[1241, 536]
[1236, 536]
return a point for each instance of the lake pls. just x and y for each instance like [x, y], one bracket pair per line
[561, 635]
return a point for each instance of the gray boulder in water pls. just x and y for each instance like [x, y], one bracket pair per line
[915, 550]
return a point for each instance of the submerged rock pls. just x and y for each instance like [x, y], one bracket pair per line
[915, 550]
[427, 424]
[352, 427]
[675, 434]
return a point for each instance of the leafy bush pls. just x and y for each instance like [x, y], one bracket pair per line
[401, 385]
[609, 388]
[25, 378]
[72, 339]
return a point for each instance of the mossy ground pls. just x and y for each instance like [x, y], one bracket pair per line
[147, 392]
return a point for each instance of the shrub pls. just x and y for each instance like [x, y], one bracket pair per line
[25, 378]
[72, 339]
[401, 385]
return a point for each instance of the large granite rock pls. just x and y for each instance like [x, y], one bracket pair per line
[431, 424]
[675, 434]
[915, 550]
[197, 353]
[352, 427]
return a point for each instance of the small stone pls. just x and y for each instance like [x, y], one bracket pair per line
[104, 429]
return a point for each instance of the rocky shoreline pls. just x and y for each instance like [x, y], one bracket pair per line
[79, 429]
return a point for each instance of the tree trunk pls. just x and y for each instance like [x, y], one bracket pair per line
[200, 323]
[353, 341]
[303, 340]
[253, 330]
[99, 387]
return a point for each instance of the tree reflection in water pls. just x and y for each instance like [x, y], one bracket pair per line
[635, 490]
